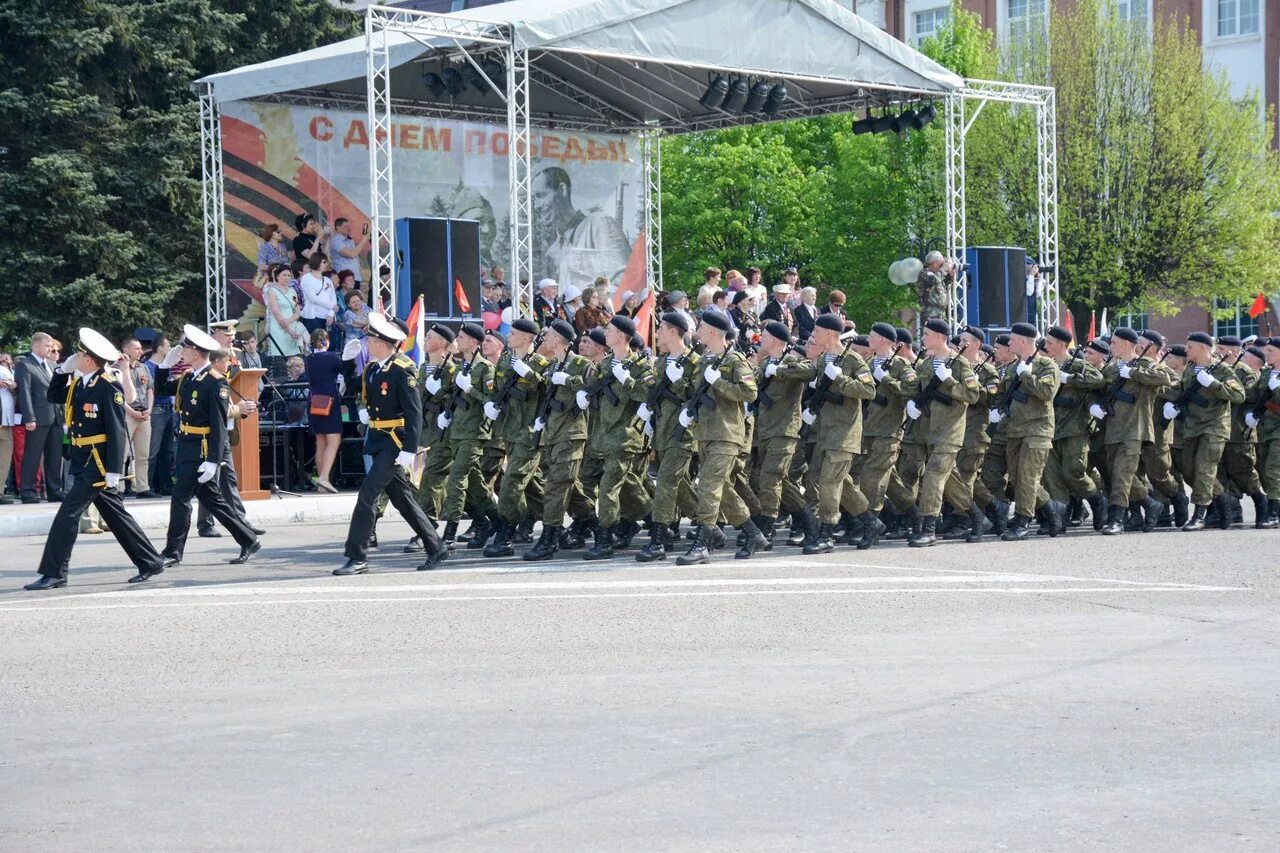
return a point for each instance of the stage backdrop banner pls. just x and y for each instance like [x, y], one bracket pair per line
[280, 161]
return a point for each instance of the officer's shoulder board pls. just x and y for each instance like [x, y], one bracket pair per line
[405, 362]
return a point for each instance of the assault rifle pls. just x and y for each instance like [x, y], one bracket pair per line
[544, 414]
[508, 389]
[1189, 393]
[821, 390]
[459, 397]
[1259, 408]
[1108, 400]
[924, 400]
[701, 397]
[763, 400]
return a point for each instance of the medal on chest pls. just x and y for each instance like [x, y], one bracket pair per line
[382, 388]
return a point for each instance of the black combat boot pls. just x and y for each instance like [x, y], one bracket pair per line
[435, 556]
[1261, 512]
[413, 546]
[1017, 530]
[765, 523]
[1273, 518]
[1181, 509]
[958, 530]
[1197, 521]
[716, 539]
[915, 524]
[1075, 512]
[546, 546]
[1134, 521]
[872, 529]
[603, 547]
[576, 536]
[928, 533]
[1166, 517]
[1214, 507]
[1098, 505]
[1044, 522]
[947, 521]
[624, 533]
[657, 547]
[1152, 506]
[698, 551]
[481, 529]
[755, 541]
[979, 524]
[825, 541]
[1230, 512]
[523, 533]
[450, 534]
[998, 512]
[796, 536]
[1115, 520]
[853, 530]
[900, 528]
[1055, 512]
[501, 544]
[812, 528]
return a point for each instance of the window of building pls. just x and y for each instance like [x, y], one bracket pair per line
[929, 22]
[1237, 17]
[1027, 18]
[1131, 10]
[1237, 322]
[1136, 320]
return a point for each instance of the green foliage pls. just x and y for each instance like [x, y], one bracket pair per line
[100, 212]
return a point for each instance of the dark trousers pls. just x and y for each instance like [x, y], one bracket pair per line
[163, 441]
[210, 496]
[44, 444]
[66, 526]
[230, 489]
[385, 476]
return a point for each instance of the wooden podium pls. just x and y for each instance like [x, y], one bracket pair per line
[245, 452]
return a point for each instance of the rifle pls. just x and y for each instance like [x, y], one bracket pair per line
[818, 395]
[1108, 400]
[1075, 406]
[1188, 394]
[924, 400]
[762, 397]
[697, 400]
[436, 408]
[544, 414]
[459, 396]
[1260, 407]
[508, 389]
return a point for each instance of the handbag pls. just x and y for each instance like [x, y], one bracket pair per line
[321, 404]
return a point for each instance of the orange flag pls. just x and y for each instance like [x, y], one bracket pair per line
[634, 280]
[1259, 305]
[460, 296]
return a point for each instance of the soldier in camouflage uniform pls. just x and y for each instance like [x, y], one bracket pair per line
[959, 490]
[1157, 457]
[882, 426]
[990, 489]
[467, 430]
[904, 482]
[1264, 418]
[437, 389]
[934, 285]
[582, 501]
[781, 375]
[1066, 474]
[1238, 470]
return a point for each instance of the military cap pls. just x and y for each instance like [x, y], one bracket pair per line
[524, 324]
[623, 323]
[1270, 342]
[1058, 333]
[401, 325]
[382, 327]
[1229, 341]
[884, 330]
[676, 320]
[1024, 330]
[975, 332]
[443, 331]
[1153, 336]
[494, 333]
[1257, 353]
[565, 330]
[989, 349]
[1124, 333]
[228, 326]
[938, 326]
[637, 342]
[954, 340]
[597, 336]
[95, 344]
[1002, 340]
[1099, 345]
[861, 341]
[716, 321]
[778, 330]
[1200, 338]
[904, 336]
[473, 331]
[1178, 351]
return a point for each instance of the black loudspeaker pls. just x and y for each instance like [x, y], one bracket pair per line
[439, 260]
[997, 286]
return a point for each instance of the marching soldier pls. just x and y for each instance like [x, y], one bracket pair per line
[990, 489]
[391, 411]
[582, 502]
[93, 405]
[467, 430]
[437, 374]
[224, 332]
[882, 428]
[904, 482]
[960, 485]
[1066, 473]
[1157, 457]
[202, 401]
[1239, 461]
[1264, 418]
[781, 375]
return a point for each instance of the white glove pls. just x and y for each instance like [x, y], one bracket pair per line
[648, 429]
[559, 377]
[113, 480]
[942, 372]
[491, 411]
[686, 419]
[771, 369]
[644, 413]
[351, 350]
[994, 416]
[913, 411]
[832, 370]
[808, 417]
[674, 372]
[518, 365]
[1274, 382]
[464, 381]
[364, 416]
[172, 357]
[1023, 367]
[583, 400]
[68, 366]
[539, 425]
[813, 383]
[1205, 378]
[443, 420]
[879, 372]
[433, 384]
[1250, 420]
[1125, 370]
[1170, 411]
[1097, 411]
[1064, 377]
[621, 373]
[207, 471]
[404, 459]
[711, 374]
[342, 387]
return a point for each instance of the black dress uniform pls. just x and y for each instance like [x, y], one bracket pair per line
[389, 391]
[94, 409]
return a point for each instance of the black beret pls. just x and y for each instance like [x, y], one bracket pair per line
[1002, 340]
[716, 321]
[1229, 341]
[1178, 350]
[1270, 342]
[739, 296]
[1124, 333]
[677, 320]
[830, 322]
[471, 330]
[597, 335]
[443, 331]
[524, 324]
[623, 323]
[975, 332]
[988, 349]
[494, 333]
[938, 326]
[884, 330]
[1200, 338]
[401, 325]
[904, 336]
[954, 341]
[1153, 336]
[1256, 352]
[1098, 345]
[565, 330]
[1058, 333]
[1024, 330]
[861, 341]
[637, 342]
[778, 330]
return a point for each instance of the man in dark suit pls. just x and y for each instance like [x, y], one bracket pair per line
[777, 309]
[41, 419]
[806, 314]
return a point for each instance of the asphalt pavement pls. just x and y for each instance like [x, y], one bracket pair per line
[1084, 692]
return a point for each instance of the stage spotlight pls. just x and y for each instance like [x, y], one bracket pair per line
[910, 120]
[881, 124]
[714, 96]
[472, 75]
[862, 125]
[759, 94]
[927, 114]
[497, 73]
[777, 97]
[739, 91]
[434, 84]
[453, 81]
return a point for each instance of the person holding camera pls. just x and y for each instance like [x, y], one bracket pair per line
[346, 251]
[935, 284]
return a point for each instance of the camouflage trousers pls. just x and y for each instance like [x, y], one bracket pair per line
[773, 486]
[714, 492]
[959, 489]
[904, 483]
[1026, 459]
[1269, 466]
[1198, 462]
[563, 462]
[465, 482]
[1066, 473]
[940, 462]
[673, 492]
[1239, 467]
[521, 473]
[879, 456]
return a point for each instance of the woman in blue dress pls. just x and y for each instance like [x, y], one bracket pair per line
[324, 372]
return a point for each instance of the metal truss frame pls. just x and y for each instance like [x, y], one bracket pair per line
[520, 178]
[211, 198]
[651, 161]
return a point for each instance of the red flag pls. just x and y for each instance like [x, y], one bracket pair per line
[1259, 306]
[633, 280]
[1093, 326]
[460, 296]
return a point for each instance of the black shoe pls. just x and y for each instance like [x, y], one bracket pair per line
[796, 537]
[546, 546]
[5, 500]
[210, 533]
[1229, 512]
[1181, 509]
[46, 582]
[246, 552]
[352, 567]
[1098, 505]
[1197, 521]
[30, 499]
[998, 512]
[450, 534]
[1211, 514]
[481, 530]
[56, 498]
[413, 546]
[812, 529]
[143, 577]
[501, 544]
[1152, 506]
[766, 525]
[575, 536]
[1134, 520]
[755, 540]
[434, 560]
[1114, 525]
[1261, 511]
[657, 547]
[145, 495]
[1237, 510]
[872, 529]
[928, 533]
[257, 531]
[603, 547]
[979, 524]
[169, 562]
[698, 551]
[825, 542]
[1017, 529]
[1273, 517]
[915, 524]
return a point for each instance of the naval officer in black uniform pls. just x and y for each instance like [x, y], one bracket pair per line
[391, 410]
[202, 400]
[93, 403]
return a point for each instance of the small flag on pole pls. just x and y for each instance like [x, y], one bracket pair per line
[414, 344]
[1259, 306]
[1093, 326]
